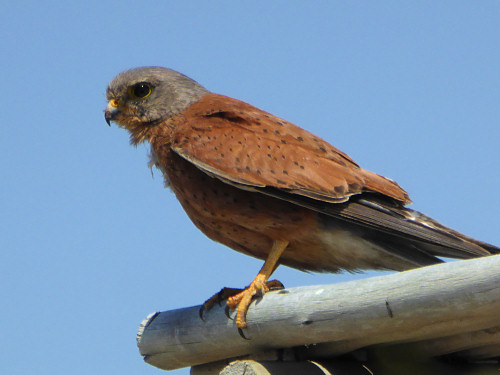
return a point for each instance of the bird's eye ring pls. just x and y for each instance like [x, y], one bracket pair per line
[140, 90]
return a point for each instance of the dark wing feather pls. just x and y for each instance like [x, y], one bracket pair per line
[406, 233]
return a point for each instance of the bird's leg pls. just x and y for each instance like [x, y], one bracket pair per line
[259, 285]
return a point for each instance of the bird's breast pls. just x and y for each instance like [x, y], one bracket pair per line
[243, 220]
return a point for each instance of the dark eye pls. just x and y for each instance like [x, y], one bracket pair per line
[140, 90]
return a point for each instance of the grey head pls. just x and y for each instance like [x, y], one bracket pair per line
[149, 95]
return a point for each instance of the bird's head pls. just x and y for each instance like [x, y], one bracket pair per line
[141, 98]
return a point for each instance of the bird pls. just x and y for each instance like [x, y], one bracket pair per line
[272, 190]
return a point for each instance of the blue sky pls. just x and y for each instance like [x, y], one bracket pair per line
[91, 243]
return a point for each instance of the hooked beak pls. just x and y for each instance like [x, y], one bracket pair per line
[111, 111]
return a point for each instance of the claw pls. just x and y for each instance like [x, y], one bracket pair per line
[275, 285]
[240, 331]
[201, 311]
[227, 310]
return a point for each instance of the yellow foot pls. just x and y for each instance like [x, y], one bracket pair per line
[241, 301]
[234, 297]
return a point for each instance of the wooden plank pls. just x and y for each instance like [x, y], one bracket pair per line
[252, 367]
[426, 303]
[458, 343]
[483, 352]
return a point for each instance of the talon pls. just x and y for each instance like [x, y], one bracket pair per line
[240, 331]
[227, 310]
[275, 285]
[202, 309]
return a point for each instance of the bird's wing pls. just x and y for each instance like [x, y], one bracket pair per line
[250, 148]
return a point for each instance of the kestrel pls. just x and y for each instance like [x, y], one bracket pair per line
[267, 188]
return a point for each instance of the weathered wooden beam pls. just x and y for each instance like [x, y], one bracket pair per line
[483, 352]
[426, 303]
[458, 343]
[252, 367]
[381, 366]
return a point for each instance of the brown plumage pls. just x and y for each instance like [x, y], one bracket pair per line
[269, 189]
